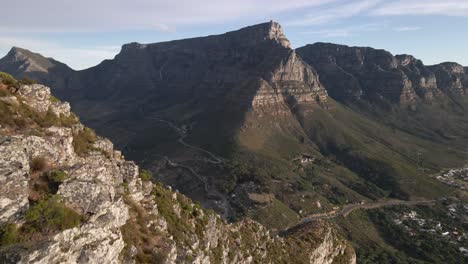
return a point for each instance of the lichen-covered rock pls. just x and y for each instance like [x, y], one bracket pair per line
[36, 96]
[188, 234]
[91, 187]
[14, 177]
[60, 108]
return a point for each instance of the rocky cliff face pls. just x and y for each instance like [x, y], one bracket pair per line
[355, 72]
[68, 197]
[215, 69]
[451, 77]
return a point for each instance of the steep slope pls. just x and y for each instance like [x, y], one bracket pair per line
[436, 95]
[355, 72]
[68, 197]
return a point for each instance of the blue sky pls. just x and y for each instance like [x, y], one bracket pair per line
[83, 33]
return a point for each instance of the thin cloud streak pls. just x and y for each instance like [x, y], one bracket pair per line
[346, 31]
[423, 7]
[118, 15]
[403, 29]
[344, 10]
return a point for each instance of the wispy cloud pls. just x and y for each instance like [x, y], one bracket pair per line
[340, 11]
[423, 7]
[406, 28]
[346, 31]
[117, 15]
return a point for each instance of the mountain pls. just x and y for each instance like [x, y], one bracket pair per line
[355, 72]
[69, 197]
[24, 63]
[251, 128]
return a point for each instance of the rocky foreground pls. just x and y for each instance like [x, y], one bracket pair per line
[66, 196]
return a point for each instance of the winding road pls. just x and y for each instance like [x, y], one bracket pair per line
[347, 209]
[214, 159]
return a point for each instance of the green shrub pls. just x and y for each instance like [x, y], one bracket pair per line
[27, 81]
[54, 99]
[54, 179]
[8, 80]
[22, 116]
[57, 176]
[146, 175]
[83, 141]
[51, 119]
[50, 214]
[8, 234]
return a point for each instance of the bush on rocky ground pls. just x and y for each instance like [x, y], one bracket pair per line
[83, 141]
[50, 215]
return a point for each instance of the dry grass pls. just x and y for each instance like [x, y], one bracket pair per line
[39, 164]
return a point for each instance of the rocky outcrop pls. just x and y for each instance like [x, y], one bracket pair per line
[14, 179]
[451, 77]
[202, 237]
[123, 218]
[329, 249]
[357, 72]
[91, 188]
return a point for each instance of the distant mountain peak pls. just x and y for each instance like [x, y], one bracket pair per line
[264, 31]
[28, 61]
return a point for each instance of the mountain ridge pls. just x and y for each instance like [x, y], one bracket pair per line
[297, 132]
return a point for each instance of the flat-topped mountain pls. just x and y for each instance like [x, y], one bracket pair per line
[248, 67]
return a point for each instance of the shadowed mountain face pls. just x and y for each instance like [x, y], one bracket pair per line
[355, 72]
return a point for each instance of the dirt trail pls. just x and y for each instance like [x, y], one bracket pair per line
[214, 159]
[183, 133]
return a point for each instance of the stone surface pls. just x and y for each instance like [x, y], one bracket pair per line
[14, 177]
[92, 189]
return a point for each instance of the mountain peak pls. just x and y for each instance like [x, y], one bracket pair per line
[265, 31]
[28, 60]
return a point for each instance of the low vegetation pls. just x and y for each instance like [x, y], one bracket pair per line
[43, 218]
[83, 141]
[9, 234]
[146, 175]
[10, 81]
[21, 116]
[49, 215]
